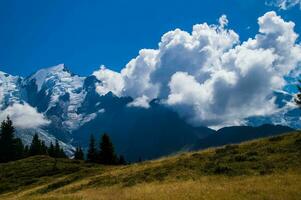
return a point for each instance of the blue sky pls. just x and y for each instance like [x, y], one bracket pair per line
[86, 34]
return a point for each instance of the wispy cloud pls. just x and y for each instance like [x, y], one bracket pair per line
[284, 4]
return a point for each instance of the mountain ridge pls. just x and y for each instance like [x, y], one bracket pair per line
[75, 110]
[238, 134]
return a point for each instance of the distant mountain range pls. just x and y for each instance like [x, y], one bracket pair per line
[237, 134]
[75, 110]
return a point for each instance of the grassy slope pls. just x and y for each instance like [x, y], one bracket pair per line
[261, 169]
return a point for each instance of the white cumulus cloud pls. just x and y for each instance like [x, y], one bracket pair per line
[24, 116]
[142, 102]
[208, 76]
[110, 81]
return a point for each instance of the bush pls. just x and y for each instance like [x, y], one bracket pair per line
[252, 153]
[221, 169]
[240, 158]
[298, 142]
[271, 150]
[227, 149]
[276, 138]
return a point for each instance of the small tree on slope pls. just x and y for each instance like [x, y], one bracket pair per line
[107, 154]
[79, 154]
[10, 147]
[92, 151]
[36, 147]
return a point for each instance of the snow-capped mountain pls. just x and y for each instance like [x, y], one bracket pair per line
[288, 113]
[62, 95]
[71, 109]
[13, 92]
[10, 90]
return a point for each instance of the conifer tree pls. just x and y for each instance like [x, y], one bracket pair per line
[10, 147]
[62, 153]
[107, 154]
[92, 151]
[57, 149]
[43, 148]
[19, 148]
[79, 154]
[36, 146]
[6, 141]
[50, 150]
[26, 151]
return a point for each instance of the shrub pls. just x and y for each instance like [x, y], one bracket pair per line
[240, 158]
[276, 138]
[222, 169]
[227, 149]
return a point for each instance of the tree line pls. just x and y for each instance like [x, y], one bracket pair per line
[103, 152]
[12, 148]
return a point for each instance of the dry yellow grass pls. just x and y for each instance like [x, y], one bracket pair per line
[275, 187]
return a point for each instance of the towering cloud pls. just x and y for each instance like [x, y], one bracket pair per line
[208, 76]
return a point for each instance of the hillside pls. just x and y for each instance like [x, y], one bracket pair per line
[237, 134]
[269, 168]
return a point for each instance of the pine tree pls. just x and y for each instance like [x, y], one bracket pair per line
[92, 151]
[50, 150]
[107, 154]
[26, 151]
[36, 146]
[19, 148]
[298, 96]
[57, 149]
[10, 147]
[62, 153]
[79, 154]
[43, 148]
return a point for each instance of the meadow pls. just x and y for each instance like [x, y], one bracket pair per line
[268, 168]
